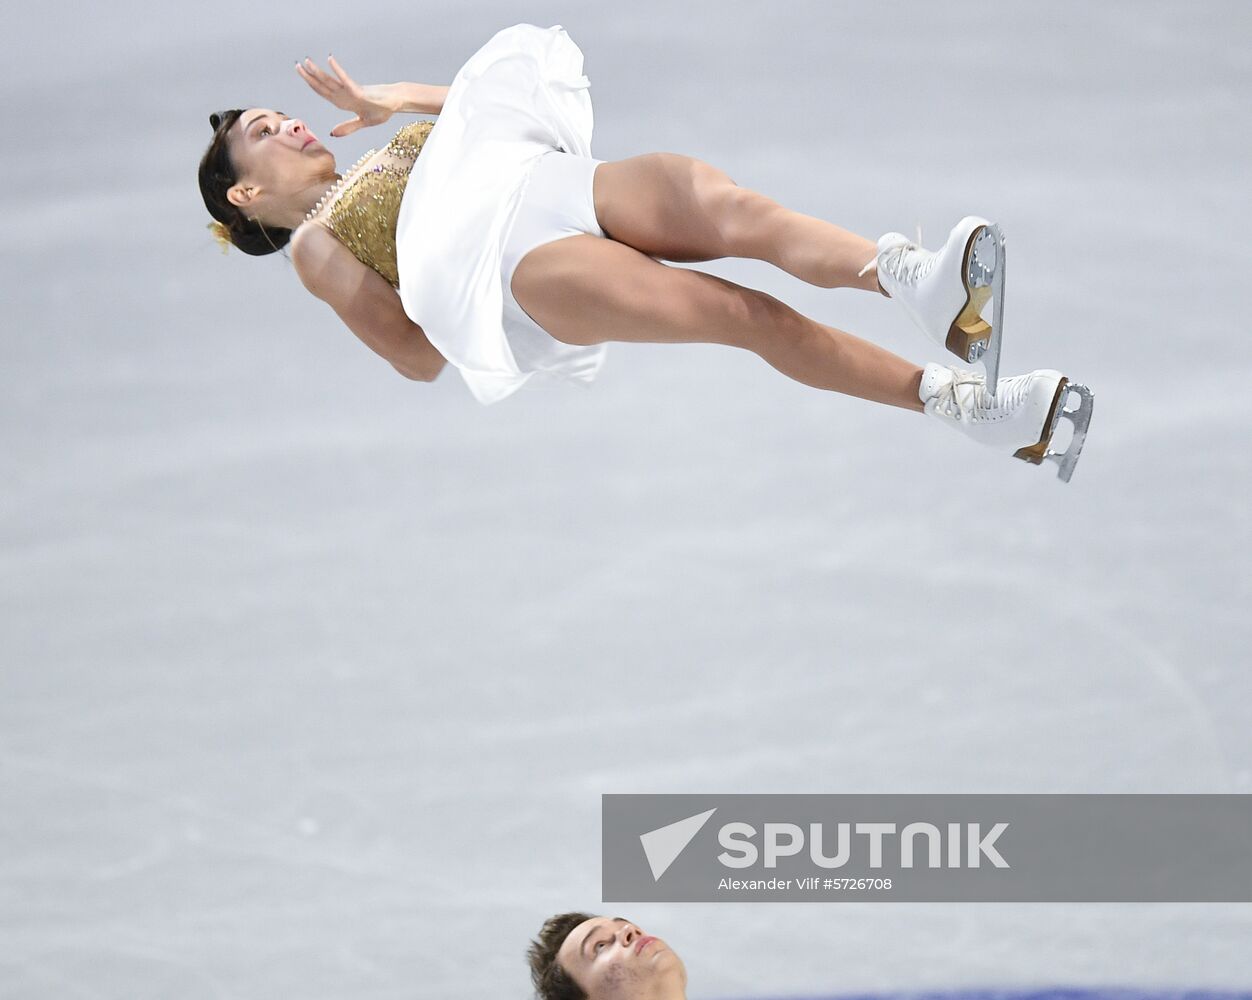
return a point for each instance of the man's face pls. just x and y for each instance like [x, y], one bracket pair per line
[612, 959]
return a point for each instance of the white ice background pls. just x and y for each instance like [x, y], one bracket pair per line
[311, 677]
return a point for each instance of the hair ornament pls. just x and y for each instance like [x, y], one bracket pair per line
[221, 234]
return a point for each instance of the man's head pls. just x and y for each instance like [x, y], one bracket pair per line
[578, 956]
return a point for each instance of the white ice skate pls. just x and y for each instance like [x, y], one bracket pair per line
[1023, 415]
[945, 290]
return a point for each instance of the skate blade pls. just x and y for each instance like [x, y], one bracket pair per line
[1080, 417]
[971, 338]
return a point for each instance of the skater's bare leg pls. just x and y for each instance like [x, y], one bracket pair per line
[682, 209]
[587, 290]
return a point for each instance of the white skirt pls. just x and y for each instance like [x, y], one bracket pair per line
[520, 96]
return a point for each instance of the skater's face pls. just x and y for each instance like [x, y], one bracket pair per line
[275, 156]
[612, 959]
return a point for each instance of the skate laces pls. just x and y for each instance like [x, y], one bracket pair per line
[906, 262]
[958, 397]
[965, 396]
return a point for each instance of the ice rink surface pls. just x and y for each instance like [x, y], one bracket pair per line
[312, 677]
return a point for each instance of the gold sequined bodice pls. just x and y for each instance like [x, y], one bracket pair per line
[363, 214]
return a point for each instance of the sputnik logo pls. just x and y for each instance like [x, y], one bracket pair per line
[663, 845]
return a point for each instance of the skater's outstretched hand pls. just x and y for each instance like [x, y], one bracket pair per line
[373, 104]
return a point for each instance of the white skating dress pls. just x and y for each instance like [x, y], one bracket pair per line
[522, 94]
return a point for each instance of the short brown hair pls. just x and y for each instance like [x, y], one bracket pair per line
[551, 981]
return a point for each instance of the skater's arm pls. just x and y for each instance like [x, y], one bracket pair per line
[416, 98]
[368, 305]
[373, 103]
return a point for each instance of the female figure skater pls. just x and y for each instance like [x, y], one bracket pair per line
[508, 250]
